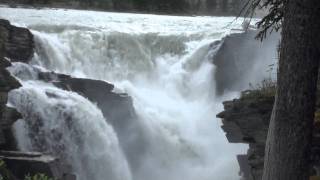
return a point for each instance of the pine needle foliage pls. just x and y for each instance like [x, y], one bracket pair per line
[272, 21]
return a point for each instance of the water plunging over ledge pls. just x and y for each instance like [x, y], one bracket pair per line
[163, 62]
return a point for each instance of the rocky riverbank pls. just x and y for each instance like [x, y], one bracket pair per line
[17, 46]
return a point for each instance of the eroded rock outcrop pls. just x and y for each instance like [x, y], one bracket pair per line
[246, 120]
[242, 60]
[16, 44]
[8, 115]
[117, 108]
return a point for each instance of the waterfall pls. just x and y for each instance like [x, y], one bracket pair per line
[72, 128]
[162, 62]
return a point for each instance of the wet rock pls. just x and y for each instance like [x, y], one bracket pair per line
[117, 108]
[8, 115]
[244, 166]
[17, 45]
[21, 164]
[18, 42]
[239, 57]
[246, 120]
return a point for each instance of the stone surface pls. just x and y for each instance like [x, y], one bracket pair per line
[8, 115]
[23, 163]
[117, 108]
[18, 42]
[246, 120]
[17, 45]
[239, 57]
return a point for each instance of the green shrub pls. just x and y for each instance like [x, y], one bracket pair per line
[4, 172]
[38, 177]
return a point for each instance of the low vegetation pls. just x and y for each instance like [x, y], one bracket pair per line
[5, 174]
[267, 88]
[38, 177]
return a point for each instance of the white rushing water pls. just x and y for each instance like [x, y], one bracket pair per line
[162, 62]
[41, 101]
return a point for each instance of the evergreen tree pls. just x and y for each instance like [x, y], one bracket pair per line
[290, 132]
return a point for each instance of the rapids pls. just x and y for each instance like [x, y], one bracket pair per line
[163, 62]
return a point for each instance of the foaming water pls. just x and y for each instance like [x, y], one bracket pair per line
[163, 62]
[68, 126]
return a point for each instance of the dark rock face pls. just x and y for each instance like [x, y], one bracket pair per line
[8, 115]
[17, 45]
[116, 108]
[246, 120]
[22, 163]
[10, 47]
[239, 56]
[18, 42]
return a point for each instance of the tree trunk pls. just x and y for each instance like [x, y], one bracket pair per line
[290, 132]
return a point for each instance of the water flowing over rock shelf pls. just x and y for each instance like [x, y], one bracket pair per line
[124, 96]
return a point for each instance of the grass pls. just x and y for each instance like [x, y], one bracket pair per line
[38, 177]
[267, 88]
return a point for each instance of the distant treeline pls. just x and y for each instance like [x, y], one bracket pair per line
[215, 7]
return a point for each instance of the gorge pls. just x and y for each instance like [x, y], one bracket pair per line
[130, 96]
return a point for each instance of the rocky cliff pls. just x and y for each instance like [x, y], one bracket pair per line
[17, 47]
[246, 120]
[7, 114]
[117, 108]
[241, 60]
[16, 44]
